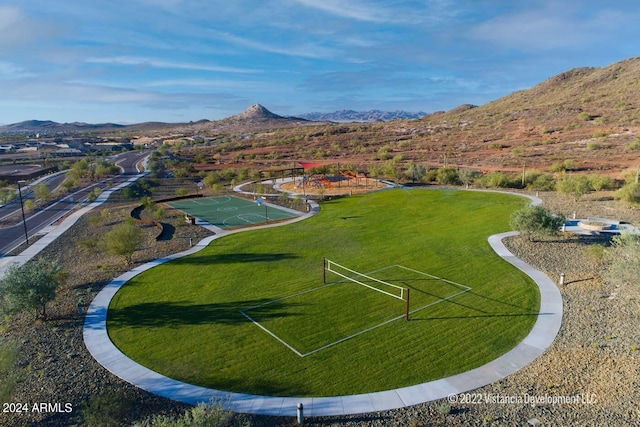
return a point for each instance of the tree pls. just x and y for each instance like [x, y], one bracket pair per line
[536, 220]
[447, 176]
[31, 286]
[415, 172]
[600, 182]
[467, 176]
[6, 194]
[630, 193]
[392, 171]
[573, 185]
[541, 181]
[124, 240]
[42, 191]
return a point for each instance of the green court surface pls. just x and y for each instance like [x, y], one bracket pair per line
[229, 212]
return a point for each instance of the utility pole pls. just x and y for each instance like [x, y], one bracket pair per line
[24, 220]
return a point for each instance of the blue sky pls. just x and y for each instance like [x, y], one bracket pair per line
[128, 61]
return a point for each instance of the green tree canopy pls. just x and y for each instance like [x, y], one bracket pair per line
[31, 286]
[447, 176]
[573, 185]
[124, 240]
[415, 172]
[536, 220]
[629, 193]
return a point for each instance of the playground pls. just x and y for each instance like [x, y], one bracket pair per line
[330, 185]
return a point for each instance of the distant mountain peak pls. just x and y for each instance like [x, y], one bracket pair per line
[257, 112]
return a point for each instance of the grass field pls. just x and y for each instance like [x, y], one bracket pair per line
[185, 318]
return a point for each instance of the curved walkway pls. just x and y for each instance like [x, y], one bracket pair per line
[535, 344]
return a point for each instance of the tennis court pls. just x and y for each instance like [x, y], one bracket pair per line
[229, 212]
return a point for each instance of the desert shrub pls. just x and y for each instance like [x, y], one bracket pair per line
[447, 176]
[203, 415]
[9, 373]
[596, 252]
[519, 151]
[540, 181]
[159, 213]
[573, 185]
[468, 176]
[633, 146]
[106, 409]
[622, 260]
[536, 220]
[31, 286]
[430, 176]
[93, 195]
[415, 172]
[499, 180]
[124, 240]
[444, 409]
[600, 182]
[630, 193]
[182, 191]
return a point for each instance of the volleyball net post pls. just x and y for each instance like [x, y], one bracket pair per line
[324, 271]
[406, 310]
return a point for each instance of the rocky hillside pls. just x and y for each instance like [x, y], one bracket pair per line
[362, 116]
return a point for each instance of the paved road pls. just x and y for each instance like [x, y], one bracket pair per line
[13, 236]
[13, 207]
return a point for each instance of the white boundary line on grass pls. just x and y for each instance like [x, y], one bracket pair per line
[272, 334]
[364, 331]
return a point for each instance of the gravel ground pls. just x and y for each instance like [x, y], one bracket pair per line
[594, 357]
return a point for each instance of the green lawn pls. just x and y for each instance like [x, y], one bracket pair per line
[185, 318]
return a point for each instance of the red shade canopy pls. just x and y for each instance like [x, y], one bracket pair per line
[311, 165]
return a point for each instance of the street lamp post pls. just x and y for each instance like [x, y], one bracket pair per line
[24, 220]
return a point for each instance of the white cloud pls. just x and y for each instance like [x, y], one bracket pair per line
[384, 12]
[548, 28]
[158, 63]
[18, 29]
[9, 70]
[307, 50]
[351, 9]
[9, 16]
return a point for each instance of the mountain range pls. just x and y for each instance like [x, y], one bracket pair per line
[255, 115]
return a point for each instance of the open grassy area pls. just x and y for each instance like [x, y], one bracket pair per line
[184, 318]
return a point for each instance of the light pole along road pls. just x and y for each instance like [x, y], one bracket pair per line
[11, 237]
